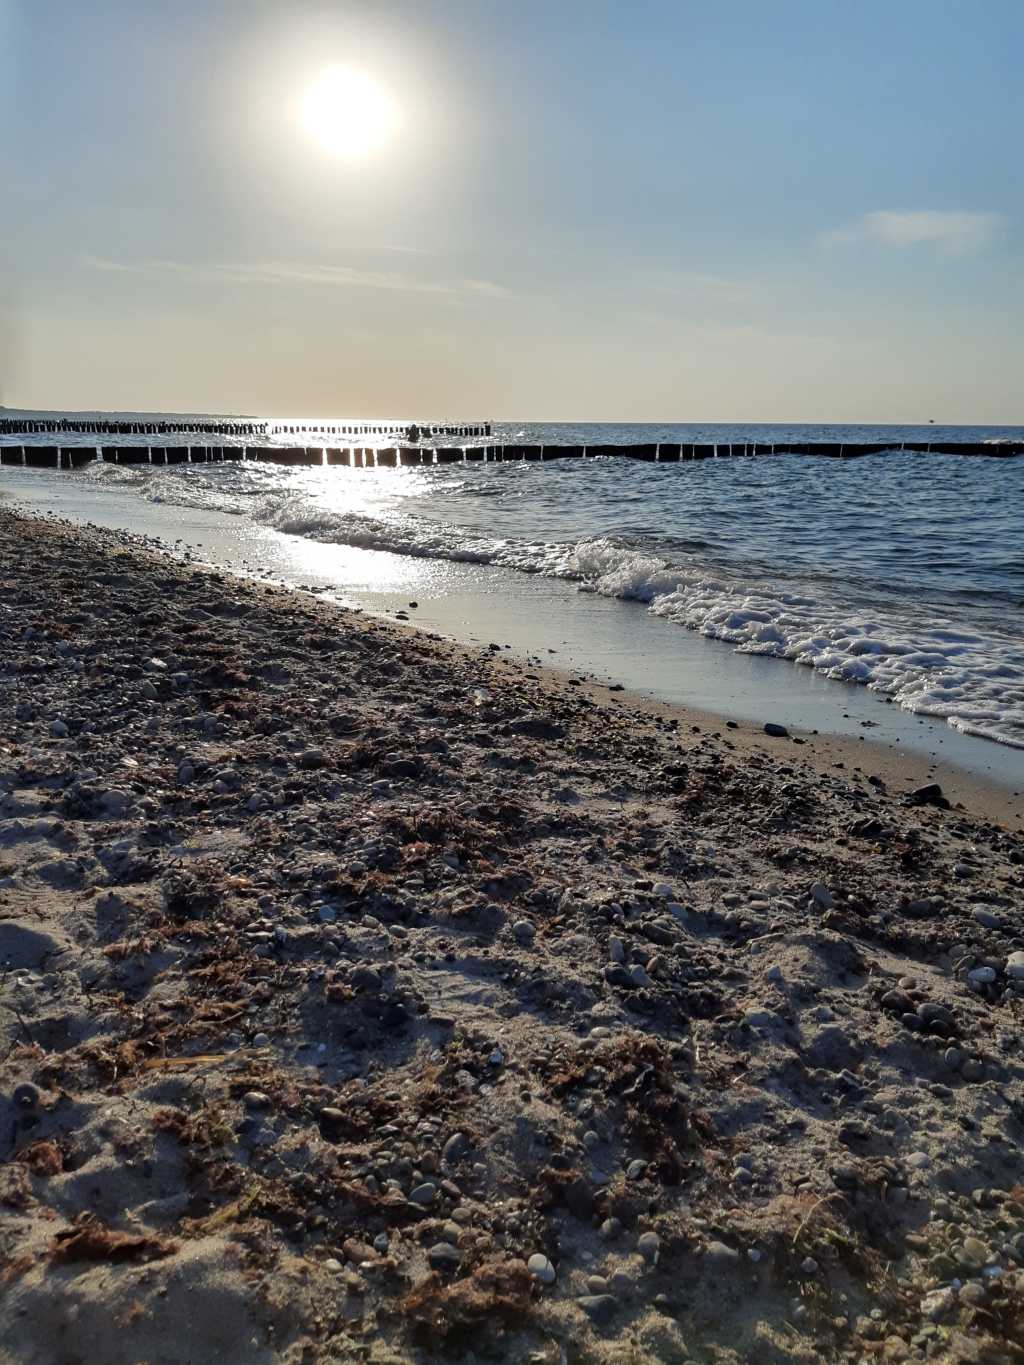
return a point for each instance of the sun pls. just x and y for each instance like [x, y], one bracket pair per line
[348, 113]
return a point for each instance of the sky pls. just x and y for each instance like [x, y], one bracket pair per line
[689, 210]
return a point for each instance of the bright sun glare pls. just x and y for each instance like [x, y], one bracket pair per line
[348, 113]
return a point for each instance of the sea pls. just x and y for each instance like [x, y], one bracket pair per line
[900, 572]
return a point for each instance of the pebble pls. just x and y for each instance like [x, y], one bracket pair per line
[649, 1247]
[58, 729]
[822, 896]
[25, 1096]
[443, 1256]
[312, 758]
[424, 1194]
[636, 1169]
[721, 1256]
[524, 932]
[454, 1149]
[981, 976]
[600, 1308]
[616, 950]
[809, 1266]
[541, 1268]
[1015, 966]
[255, 1099]
[261, 1040]
[597, 1284]
[986, 918]
[938, 1303]
[775, 730]
[972, 1253]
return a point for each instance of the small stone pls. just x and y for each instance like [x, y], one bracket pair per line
[636, 1169]
[610, 1229]
[616, 950]
[380, 1243]
[327, 914]
[541, 1268]
[443, 1256]
[639, 977]
[919, 1161]
[1015, 966]
[25, 1096]
[775, 730]
[809, 1266]
[591, 1140]
[972, 1253]
[58, 729]
[649, 1247]
[981, 976]
[600, 1308]
[616, 975]
[928, 795]
[986, 918]
[524, 932]
[822, 896]
[938, 1304]
[953, 1058]
[311, 759]
[261, 1040]
[424, 1194]
[455, 1149]
[973, 1294]
[721, 1256]
[597, 1284]
[255, 1099]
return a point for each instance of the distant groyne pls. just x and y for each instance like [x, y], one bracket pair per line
[362, 456]
[237, 429]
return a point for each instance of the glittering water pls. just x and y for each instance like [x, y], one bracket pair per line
[901, 571]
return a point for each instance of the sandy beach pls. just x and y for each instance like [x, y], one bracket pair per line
[364, 996]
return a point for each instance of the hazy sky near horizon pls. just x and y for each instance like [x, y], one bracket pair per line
[696, 210]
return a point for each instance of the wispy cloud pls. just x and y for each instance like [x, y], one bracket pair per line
[293, 273]
[955, 232]
[699, 285]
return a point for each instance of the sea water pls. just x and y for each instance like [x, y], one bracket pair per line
[900, 571]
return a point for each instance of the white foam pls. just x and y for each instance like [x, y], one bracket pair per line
[931, 666]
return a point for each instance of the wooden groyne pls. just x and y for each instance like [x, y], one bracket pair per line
[239, 430]
[390, 457]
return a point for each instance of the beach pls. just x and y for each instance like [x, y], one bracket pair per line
[370, 996]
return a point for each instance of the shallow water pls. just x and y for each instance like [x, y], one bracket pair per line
[901, 571]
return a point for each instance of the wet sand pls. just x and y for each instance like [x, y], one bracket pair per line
[369, 996]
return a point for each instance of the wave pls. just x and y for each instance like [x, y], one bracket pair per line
[973, 679]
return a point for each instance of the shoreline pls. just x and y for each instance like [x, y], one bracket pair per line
[368, 995]
[598, 637]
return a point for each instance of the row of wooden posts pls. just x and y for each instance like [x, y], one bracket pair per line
[21, 426]
[74, 457]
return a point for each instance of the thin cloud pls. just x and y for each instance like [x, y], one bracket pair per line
[291, 273]
[954, 232]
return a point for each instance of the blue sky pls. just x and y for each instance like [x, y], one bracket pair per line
[719, 210]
